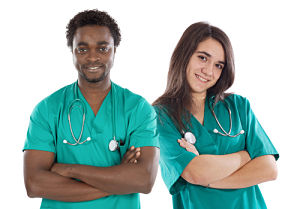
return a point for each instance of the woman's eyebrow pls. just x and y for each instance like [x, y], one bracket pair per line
[209, 55]
[204, 52]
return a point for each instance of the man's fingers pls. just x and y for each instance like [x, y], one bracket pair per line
[131, 155]
[135, 157]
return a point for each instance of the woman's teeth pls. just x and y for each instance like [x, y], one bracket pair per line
[200, 78]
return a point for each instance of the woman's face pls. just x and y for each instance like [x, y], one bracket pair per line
[205, 66]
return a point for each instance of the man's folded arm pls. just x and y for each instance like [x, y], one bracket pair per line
[125, 178]
[41, 182]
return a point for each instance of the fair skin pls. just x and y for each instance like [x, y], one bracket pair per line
[93, 55]
[231, 171]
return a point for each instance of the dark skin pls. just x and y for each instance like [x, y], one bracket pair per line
[93, 56]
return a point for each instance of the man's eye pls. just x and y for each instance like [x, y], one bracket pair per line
[81, 50]
[104, 49]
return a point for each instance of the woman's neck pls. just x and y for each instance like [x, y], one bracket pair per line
[198, 101]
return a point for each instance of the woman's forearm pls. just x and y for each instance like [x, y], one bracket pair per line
[258, 170]
[204, 169]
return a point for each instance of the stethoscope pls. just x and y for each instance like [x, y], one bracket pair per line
[113, 144]
[190, 137]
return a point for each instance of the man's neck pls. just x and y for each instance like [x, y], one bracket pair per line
[94, 93]
[97, 89]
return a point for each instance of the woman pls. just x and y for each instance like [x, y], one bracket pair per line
[232, 153]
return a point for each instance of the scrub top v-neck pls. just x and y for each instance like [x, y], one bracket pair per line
[173, 158]
[135, 122]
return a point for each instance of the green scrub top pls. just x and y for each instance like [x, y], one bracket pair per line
[173, 158]
[135, 125]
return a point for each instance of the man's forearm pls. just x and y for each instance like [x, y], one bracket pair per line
[46, 184]
[120, 179]
[125, 178]
[258, 170]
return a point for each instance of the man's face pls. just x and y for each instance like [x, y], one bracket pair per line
[93, 53]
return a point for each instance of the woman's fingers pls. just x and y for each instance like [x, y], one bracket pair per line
[188, 146]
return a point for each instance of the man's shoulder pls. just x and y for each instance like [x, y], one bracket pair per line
[54, 100]
[132, 101]
[60, 93]
[128, 95]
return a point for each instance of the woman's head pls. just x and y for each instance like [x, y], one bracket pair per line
[187, 69]
[187, 50]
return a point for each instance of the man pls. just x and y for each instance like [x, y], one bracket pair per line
[91, 144]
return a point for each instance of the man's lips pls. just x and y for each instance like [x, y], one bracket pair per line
[93, 68]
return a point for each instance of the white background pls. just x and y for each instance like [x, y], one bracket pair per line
[35, 62]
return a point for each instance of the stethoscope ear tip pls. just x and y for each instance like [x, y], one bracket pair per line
[65, 141]
[88, 139]
[216, 131]
[242, 132]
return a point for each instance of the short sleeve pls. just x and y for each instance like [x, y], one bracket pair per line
[39, 134]
[143, 126]
[173, 158]
[257, 141]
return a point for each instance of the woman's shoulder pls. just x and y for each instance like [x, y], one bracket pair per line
[240, 103]
[237, 100]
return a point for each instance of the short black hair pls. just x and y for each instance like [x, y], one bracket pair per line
[92, 17]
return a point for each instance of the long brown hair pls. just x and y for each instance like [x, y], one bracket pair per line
[177, 96]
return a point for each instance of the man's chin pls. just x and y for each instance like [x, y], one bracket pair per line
[95, 80]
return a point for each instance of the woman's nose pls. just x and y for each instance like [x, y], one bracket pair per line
[208, 69]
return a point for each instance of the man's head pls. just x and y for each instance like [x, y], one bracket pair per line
[93, 37]
[92, 17]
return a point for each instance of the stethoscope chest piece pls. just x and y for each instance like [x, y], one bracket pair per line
[190, 137]
[113, 145]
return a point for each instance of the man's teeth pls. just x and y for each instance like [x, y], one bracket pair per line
[202, 79]
[93, 68]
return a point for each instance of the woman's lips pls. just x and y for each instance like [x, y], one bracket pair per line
[201, 78]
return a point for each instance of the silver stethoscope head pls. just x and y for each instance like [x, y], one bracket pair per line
[113, 145]
[190, 137]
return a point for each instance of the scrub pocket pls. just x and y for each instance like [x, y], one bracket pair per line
[123, 149]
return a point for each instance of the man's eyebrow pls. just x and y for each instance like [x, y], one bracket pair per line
[209, 55]
[103, 43]
[82, 44]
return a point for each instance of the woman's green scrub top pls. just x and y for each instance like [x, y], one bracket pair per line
[173, 158]
[135, 125]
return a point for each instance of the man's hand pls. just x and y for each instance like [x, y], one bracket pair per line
[132, 155]
[188, 146]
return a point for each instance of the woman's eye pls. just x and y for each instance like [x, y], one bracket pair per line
[219, 66]
[202, 58]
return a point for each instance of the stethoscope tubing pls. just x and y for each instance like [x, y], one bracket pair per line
[190, 137]
[113, 145]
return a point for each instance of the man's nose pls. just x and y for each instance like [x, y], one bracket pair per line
[93, 56]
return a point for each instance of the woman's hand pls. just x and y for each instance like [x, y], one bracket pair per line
[188, 146]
